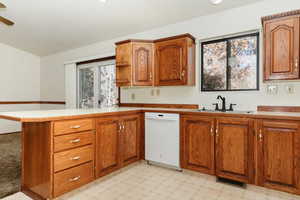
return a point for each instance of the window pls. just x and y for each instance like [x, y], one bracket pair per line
[97, 85]
[230, 64]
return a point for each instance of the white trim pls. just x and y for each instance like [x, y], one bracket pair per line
[230, 35]
[96, 64]
[90, 58]
[70, 85]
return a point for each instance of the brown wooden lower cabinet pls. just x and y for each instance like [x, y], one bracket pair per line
[197, 144]
[118, 142]
[108, 145]
[130, 139]
[224, 149]
[234, 149]
[261, 152]
[58, 157]
[68, 180]
[279, 155]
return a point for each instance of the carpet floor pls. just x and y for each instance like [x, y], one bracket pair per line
[10, 164]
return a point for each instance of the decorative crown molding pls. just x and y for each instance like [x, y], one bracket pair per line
[280, 15]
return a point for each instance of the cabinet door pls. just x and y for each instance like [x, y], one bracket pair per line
[234, 149]
[279, 155]
[197, 144]
[282, 49]
[123, 54]
[142, 65]
[131, 133]
[123, 64]
[123, 76]
[107, 144]
[171, 62]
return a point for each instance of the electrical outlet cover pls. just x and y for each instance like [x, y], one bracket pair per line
[272, 89]
[290, 89]
[157, 92]
[152, 92]
[133, 96]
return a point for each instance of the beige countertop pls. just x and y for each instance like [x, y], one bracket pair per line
[50, 115]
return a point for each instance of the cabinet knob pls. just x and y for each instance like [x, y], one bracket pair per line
[120, 127]
[212, 131]
[260, 135]
[183, 73]
[217, 133]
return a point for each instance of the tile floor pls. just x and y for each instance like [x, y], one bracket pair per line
[144, 182]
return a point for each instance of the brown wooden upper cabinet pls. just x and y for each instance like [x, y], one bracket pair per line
[134, 62]
[175, 61]
[281, 46]
[164, 62]
[279, 155]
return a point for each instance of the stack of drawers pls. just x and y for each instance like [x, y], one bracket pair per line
[73, 157]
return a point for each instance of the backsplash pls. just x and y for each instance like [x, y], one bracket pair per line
[246, 100]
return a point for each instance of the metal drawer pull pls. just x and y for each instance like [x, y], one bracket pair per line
[183, 73]
[75, 141]
[75, 127]
[75, 158]
[260, 135]
[74, 179]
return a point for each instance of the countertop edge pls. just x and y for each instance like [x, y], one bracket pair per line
[10, 118]
[92, 115]
[284, 116]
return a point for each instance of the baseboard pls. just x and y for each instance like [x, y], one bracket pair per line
[10, 133]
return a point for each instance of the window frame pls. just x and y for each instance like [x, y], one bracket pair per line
[226, 39]
[96, 64]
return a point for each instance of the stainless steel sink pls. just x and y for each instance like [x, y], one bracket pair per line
[241, 112]
[233, 112]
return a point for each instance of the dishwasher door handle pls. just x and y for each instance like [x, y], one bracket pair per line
[162, 119]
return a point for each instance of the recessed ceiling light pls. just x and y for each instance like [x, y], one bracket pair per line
[103, 1]
[216, 2]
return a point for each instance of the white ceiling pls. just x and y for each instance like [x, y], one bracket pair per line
[44, 27]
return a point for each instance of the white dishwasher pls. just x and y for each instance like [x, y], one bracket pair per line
[162, 139]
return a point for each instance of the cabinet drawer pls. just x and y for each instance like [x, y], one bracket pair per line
[73, 140]
[71, 158]
[72, 126]
[70, 179]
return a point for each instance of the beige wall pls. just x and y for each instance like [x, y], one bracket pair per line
[19, 81]
[228, 22]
